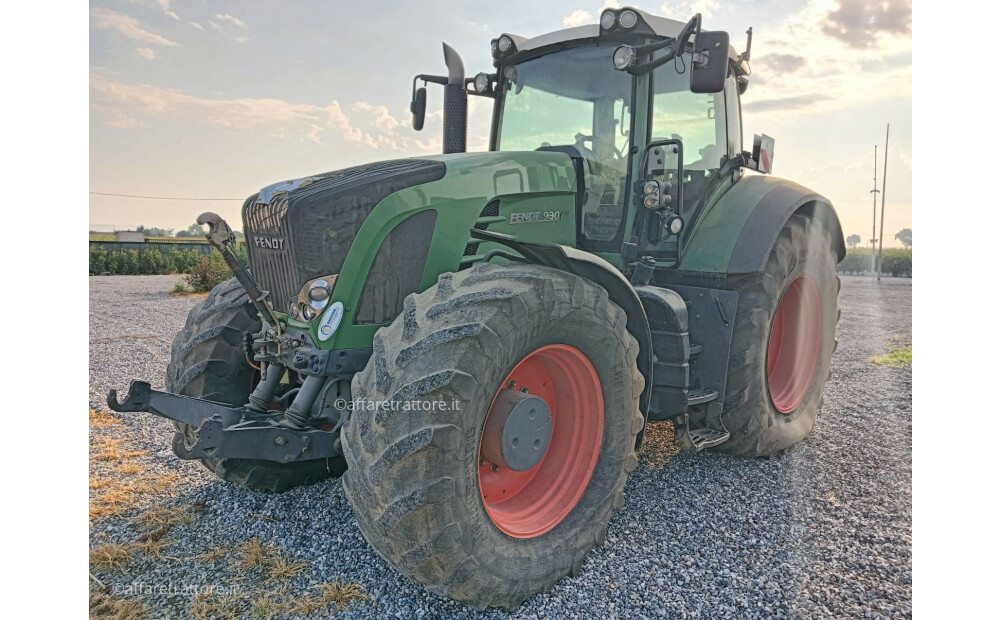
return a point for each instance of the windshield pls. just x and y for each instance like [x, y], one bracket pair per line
[575, 98]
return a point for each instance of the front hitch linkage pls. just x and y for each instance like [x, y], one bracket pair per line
[221, 236]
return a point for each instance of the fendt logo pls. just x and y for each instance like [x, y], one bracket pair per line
[269, 243]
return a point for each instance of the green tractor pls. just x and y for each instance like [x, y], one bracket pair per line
[479, 339]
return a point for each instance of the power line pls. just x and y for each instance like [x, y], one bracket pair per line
[159, 197]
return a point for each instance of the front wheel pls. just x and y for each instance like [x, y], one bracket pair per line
[493, 430]
[208, 360]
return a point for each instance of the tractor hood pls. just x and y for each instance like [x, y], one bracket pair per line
[305, 228]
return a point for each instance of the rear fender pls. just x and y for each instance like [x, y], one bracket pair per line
[737, 233]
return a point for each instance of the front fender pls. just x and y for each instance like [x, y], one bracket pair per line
[737, 233]
[600, 271]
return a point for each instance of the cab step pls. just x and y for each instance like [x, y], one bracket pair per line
[707, 437]
[711, 435]
[701, 396]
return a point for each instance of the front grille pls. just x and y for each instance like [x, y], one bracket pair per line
[307, 231]
[273, 267]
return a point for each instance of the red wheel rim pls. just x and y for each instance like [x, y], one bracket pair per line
[793, 347]
[529, 503]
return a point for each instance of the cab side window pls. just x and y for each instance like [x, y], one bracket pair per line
[697, 120]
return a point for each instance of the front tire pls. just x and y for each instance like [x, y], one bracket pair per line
[415, 476]
[207, 360]
[782, 343]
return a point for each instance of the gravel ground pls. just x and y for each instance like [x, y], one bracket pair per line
[821, 531]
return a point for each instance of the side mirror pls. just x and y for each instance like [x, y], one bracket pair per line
[418, 107]
[708, 73]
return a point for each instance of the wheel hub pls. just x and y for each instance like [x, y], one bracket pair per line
[517, 431]
[794, 343]
[529, 502]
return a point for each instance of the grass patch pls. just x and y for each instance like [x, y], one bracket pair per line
[112, 555]
[898, 355]
[108, 607]
[334, 593]
[102, 419]
[210, 556]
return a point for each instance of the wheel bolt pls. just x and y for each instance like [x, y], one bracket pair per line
[494, 468]
[511, 383]
[524, 389]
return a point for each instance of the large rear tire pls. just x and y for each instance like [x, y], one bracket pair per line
[424, 495]
[207, 360]
[782, 343]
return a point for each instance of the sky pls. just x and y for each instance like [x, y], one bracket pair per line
[218, 98]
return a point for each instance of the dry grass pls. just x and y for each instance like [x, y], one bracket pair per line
[112, 555]
[162, 517]
[333, 593]
[283, 568]
[256, 554]
[108, 449]
[214, 606]
[658, 445]
[102, 419]
[119, 495]
[119, 480]
[210, 556]
[107, 607]
[132, 469]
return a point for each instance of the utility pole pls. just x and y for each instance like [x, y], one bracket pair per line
[881, 226]
[874, 194]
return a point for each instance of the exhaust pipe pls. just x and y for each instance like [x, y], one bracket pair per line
[455, 103]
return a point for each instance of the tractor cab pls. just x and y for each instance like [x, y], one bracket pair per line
[646, 107]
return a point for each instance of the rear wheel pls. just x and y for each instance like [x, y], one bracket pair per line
[782, 343]
[207, 360]
[506, 484]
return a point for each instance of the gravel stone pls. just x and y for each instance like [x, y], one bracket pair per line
[820, 531]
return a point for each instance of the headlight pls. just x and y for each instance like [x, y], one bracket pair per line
[314, 296]
[481, 83]
[505, 44]
[319, 292]
[650, 188]
[651, 202]
[624, 57]
[675, 224]
[628, 19]
[607, 20]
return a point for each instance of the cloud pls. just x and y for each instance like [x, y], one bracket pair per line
[163, 5]
[582, 17]
[105, 19]
[799, 56]
[579, 17]
[225, 17]
[368, 125]
[859, 22]
[785, 103]
[342, 123]
[122, 121]
[146, 52]
[237, 37]
[686, 9]
[783, 63]
[198, 26]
